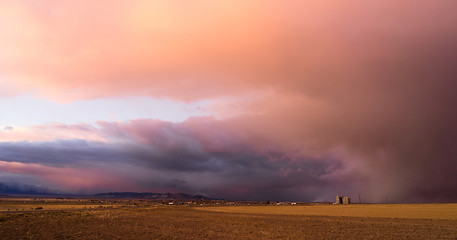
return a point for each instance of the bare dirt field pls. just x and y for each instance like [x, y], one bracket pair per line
[254, 222]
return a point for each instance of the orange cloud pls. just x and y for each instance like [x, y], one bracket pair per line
[205, 49]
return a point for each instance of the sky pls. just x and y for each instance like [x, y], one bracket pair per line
[244, 100]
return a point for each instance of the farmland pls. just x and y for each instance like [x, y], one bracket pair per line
[411, 211]
[127, 219]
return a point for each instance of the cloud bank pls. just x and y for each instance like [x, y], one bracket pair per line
[311, 99]
[194, 156]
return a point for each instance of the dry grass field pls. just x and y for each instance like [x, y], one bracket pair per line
[414, 211]
[250, 222]
[29, 204]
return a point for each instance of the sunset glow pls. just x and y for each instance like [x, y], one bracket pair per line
[251, 100]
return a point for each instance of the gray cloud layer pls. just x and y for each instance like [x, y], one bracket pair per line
[169, 156]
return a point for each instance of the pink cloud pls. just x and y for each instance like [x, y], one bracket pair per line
[90, 50]
[49, 132]
[375, 78]
[70, 179]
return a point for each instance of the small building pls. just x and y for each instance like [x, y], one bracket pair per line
[342, 200]
[346, 200]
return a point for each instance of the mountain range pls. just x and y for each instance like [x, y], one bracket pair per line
[147, 195]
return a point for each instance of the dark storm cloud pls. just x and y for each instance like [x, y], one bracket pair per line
[163, 155]
[238, 169]
[59, 152]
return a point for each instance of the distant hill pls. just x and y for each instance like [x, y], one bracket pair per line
[174, 196]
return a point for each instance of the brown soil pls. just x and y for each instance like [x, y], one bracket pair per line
[189, 223]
